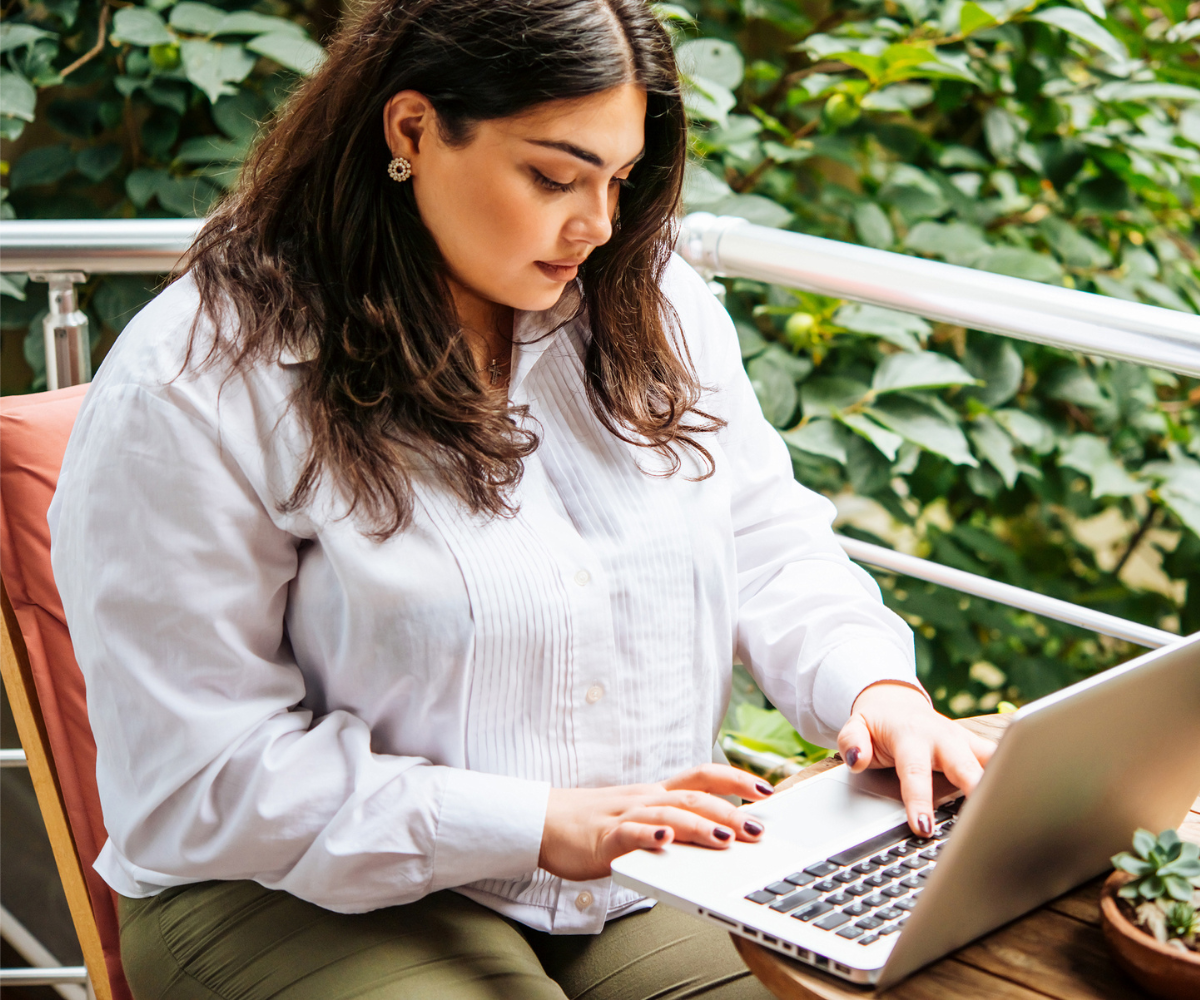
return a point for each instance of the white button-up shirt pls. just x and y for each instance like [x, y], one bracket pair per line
[277, 697]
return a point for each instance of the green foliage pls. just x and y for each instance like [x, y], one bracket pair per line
[766, 730]
[1183, 921]
[1048, 142]
[154, 123]
[1162, 866]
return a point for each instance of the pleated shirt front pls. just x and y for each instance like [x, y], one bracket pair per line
[279, 697]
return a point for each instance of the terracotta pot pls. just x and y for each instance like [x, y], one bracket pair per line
[1163, 971]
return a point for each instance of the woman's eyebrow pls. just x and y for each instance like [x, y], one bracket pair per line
[579, 153]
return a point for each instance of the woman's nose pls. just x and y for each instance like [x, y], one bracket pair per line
[593, 221]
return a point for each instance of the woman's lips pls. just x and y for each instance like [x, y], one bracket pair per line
[558, 270]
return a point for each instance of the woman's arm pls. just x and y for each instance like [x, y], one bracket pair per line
[175, 577]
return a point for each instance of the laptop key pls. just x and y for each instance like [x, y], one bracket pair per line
[865, 867]
[856, 909]
[876, 880]
[924, 873]
[868, 847]
[882, 859]
[929, 854]
[850, 932]
[917, 862]
[845, 877]
[868, 939]
[812, 911]
[900, 850]
[799, 878]
[858, 890]
[780, 888]
[789, 903]
[906, 904]
[839, 898]
[896, 871]
[912, 882]
[889, 929]
[828, 885]
[832, 921]
[919, 842]
[873, 901]
[868, 923]
[895, 890]
[889, 913]
[822, 868]
[761, 896]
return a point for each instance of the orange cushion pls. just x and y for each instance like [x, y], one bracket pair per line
[33, 436]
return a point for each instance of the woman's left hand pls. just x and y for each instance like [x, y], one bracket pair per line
[893, 725]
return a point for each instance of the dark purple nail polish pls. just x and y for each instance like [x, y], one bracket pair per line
[852, 756]
[925, 824]
[752, 828]
[721, 834]
[659, 834]
[763, 787]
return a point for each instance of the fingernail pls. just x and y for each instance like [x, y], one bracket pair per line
[660, 834]
[925, 824]
[752, 828]
[852, 756]
[721, 834]
[764, 788]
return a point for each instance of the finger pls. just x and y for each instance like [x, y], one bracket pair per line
[720, 779]
[717, 810]
[914, 769]
[957, 761]
[981, 748]
[630, 836]
[855, 745]
[688, 827]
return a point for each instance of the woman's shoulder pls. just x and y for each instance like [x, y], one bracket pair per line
[703, 324]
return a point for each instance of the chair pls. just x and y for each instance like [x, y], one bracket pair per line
[42, 679]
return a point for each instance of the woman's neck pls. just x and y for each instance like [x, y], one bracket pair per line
[488, 325]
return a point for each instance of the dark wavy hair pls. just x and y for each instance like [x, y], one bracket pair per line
[321, 255]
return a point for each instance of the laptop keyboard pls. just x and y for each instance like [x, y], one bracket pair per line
[865, 892]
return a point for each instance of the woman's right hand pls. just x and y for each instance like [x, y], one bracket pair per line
[586, 828]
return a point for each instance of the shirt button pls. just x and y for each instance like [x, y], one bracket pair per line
[583, 577]
[583, 900]
[594, 694]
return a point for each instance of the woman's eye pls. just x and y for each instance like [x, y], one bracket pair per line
[545, 182]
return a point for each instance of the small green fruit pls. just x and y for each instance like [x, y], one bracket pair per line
[799, 328]
[164, 56]
[840, 110]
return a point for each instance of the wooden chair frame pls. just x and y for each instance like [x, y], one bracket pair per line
[23, 697]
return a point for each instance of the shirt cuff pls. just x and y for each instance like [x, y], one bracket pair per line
[851, 667]
[490, 826]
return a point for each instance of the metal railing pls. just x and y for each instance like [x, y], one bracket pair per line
[732, 247]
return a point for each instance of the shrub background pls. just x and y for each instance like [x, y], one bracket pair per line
[1053, 141]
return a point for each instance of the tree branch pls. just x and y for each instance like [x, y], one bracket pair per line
[96, 49]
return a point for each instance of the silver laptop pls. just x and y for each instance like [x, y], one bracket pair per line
[839, 881]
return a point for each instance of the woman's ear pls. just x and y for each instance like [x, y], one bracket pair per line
[407, 119]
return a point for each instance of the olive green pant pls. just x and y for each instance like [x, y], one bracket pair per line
[239, 941]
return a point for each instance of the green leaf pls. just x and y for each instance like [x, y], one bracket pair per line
[1072, 246]
[819, 437]
[214, 67]
[1179, 488]
[1077, 23]
[899, 97]
[139, 26]
[923, 370]
[210, 149]
[708, 100]
[291, 51]
[767, 729]
[973, 17]
[190, 197]
[17, 96]
[1088, 454]
[196, 18]
[1033, 432]
[15, 36]
[882, 438]
[993, 444]
[1021, 263]
[873, 227]
[954, 242]
[998, 366]
[142, 184]
[14, 286]
[1135, 866]
[775, 388]
[248, 22]
[43, 165]
[97, 162]
[713, 59]
[825, 397]
[932, 430]
[1135, 93]
[1177, 887]
[754, 208]
[902, 329]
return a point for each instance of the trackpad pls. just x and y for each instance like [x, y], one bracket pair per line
[835, 804]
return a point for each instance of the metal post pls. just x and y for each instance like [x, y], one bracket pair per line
[68, 345]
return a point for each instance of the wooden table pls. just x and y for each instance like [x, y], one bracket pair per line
[1056, 951]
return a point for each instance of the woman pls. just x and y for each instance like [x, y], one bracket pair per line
[406, 542]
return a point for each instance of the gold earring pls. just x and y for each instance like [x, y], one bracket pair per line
[400, 169]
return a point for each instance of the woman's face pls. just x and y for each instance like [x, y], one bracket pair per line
[516, 210]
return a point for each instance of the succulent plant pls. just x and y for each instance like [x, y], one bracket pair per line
[1183, 920]
[1162, 866]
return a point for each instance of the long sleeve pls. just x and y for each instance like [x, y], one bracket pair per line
[175, 578]
[811, 626]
